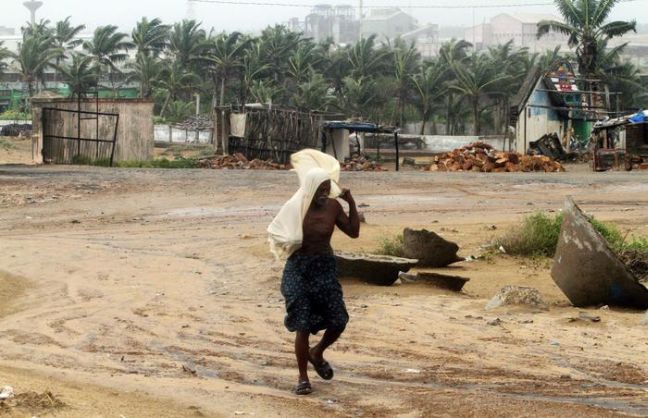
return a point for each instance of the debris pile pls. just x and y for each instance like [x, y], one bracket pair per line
[238, 162]
[481, 157]
[196, 123]
[517, 295]
[361, 163]
[28, 400]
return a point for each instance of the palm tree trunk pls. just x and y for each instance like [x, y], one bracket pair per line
[448, 112]
[476, 114]
[222, 90]
[166, 103]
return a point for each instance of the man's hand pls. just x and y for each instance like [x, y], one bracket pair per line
[346, 196]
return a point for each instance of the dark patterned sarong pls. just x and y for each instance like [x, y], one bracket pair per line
[313, 294]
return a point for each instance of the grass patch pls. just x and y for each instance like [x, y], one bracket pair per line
[15, 115]
[6, 145]
[392, 246]
[159, 163]
[538, 236]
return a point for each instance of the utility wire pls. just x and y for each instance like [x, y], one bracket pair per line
[427, 6]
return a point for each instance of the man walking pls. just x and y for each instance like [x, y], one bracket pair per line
[313, 295]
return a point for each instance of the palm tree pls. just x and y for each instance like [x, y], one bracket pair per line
[451, 52]
[225, 55]
[41, 28]
[358, 97]
[514, 63]
[277, 45]
[337, 68]
[66, 39]
[585, 25]
[474, 80]
[365, 60]
[108, 48]
[146, 70]
[34, 55]
[4, 54]
[80, 75]
[406, 61]
[252, 69]
[262, 91]
[150, 37]
[303, 61]
[313, 94]
[180, 111]
[175, 79]
[187, 43]
[430, 87]
[620, 76]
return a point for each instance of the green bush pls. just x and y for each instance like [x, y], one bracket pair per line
[538, 236]
[15, 115]
[392, 246]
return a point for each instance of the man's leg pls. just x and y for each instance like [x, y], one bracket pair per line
[330, 336]
[301, 352]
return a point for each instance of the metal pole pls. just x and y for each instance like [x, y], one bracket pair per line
[112, 154]
[397, 151]
[97, 116]
[78, 126]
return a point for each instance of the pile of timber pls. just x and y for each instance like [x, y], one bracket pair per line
[481, 157]
[361, 163]
[238, 162]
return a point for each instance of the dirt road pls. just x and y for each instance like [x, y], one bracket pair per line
[152, 293]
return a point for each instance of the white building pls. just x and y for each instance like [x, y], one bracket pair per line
[521, 28]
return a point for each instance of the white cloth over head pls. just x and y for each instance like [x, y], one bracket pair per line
[313, 168]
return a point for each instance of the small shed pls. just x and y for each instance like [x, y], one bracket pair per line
[552, 102]
[92, 130]
[265, 132]
[335, 137]
[621, 141]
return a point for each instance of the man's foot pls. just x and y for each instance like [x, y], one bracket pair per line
[303, 388]
[322, 367]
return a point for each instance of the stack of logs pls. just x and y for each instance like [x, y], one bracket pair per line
[238, 162]
[360, 163]
[481, 157]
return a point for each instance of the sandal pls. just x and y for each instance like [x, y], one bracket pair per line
[303, 388]
[323, 369]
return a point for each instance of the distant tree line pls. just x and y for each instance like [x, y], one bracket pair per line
[386, 82]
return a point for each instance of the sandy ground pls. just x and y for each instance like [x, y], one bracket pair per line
[140, 293]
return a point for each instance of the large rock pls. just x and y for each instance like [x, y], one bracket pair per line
[517, 295]
[377, 269]
[429, 248]
[443, 281]
[587, 271]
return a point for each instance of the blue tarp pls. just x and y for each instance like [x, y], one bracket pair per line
[638, 117]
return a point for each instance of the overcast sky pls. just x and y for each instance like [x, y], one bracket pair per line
[228, 17]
